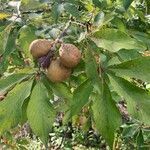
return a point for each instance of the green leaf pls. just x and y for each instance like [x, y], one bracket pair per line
[106, 116]
[40, 112]
[99, 19]
[140, 139]
[127, 3]
[118, 23]
[142, 37]
[32, 5]
[62, 90]
[11, 106]
[138, 68]
[8, 47]
[10, 81]
[72, 9]
[4, 36]
[26, 36]
[91, 69]
[100, 3]
[47, 85]
[59, 89]
[125, 55]
[57, 9]
[113, 40]
[138, 100]
[81, 97]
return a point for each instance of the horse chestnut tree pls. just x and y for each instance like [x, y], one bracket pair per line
[91, 54]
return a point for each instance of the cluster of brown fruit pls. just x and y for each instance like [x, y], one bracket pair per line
[60, 67]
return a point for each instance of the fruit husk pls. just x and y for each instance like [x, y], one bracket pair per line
[70, 55]
[56, 72]
[40, 47]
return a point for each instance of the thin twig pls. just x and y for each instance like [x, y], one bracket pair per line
[79, 23]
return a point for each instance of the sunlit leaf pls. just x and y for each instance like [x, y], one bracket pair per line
[10, 81]
[3, 16]
[114, 40]
[32, 5]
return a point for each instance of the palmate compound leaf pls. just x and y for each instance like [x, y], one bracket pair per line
[106, 116]
[138, 68]
[40, 112]
[113, 40]
[138, 100]
[11, 106]
[81, 97]
[10, 81]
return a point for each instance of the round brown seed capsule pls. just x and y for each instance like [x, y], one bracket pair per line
[40, 47]
[70, 55]
[56, 72]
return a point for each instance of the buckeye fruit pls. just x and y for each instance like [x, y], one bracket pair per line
[56, 72]
[40, 47]
[70, 55]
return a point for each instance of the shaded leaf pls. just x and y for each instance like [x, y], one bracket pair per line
[126, 55]
[57, 9]
[40, 112]
[138, 100]
[106, 116]
[118, 22]
[142, 37]
[11, 106]
[59, 89]
[100, 3]
[99, 19]
[81, 97]
[127, 3]
[26, 36]
[137, 68]
[8, 47]
[72, 9]
[91, 69]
